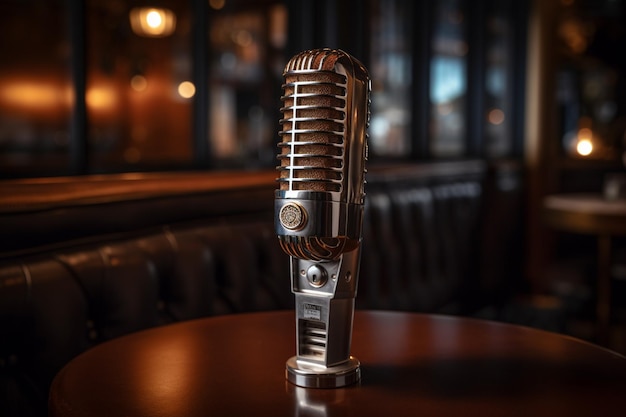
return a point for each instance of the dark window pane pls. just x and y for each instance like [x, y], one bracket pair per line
[591, 83]
[391, 67]
[139, 90]
[498, 91]
[35, 88]
[448, 79]
[247, 44]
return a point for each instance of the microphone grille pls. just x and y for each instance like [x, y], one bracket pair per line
[312, 148]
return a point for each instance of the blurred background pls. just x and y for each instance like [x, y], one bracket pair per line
[117, 86]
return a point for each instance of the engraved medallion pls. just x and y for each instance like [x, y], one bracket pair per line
[292, 216]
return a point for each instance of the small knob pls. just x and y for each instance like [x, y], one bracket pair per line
[316, 275]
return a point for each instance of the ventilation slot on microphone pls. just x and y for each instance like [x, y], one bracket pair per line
[313, 128]
[312, 339]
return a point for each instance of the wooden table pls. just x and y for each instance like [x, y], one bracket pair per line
[411, 365]
[595, 215]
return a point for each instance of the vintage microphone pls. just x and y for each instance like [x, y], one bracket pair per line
[319, 208]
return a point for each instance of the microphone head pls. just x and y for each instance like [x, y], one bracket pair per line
[322, 155]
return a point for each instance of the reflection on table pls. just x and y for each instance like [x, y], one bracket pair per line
[411, 365]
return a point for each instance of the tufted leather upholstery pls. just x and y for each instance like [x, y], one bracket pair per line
[419, 245]
[197, 255]
[55, 307]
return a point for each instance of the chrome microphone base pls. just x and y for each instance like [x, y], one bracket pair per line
[312, 376]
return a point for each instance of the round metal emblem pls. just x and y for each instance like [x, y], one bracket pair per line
[292, 216]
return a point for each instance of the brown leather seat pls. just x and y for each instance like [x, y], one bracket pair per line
[195, 255]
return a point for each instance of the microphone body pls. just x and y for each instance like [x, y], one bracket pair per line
[319, 208]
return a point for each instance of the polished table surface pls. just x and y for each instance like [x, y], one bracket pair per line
[586, 213]
[412, 365]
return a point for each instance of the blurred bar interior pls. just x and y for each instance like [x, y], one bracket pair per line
[535, 91]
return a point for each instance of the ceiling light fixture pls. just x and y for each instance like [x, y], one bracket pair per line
[152, 22]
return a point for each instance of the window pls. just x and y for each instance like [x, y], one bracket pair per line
[391, 73]
[590, 85]
[499, 111]
[35, 88]
[246, 62]
[139, 87]
[448, 79]
[115, 86]
[101, 86]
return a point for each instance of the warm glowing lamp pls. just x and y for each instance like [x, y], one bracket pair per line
[186, 89]
[584, 146]
[152, 22]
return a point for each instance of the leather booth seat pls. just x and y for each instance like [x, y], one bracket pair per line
[54, 307]
[66, 284]
[419, 246]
